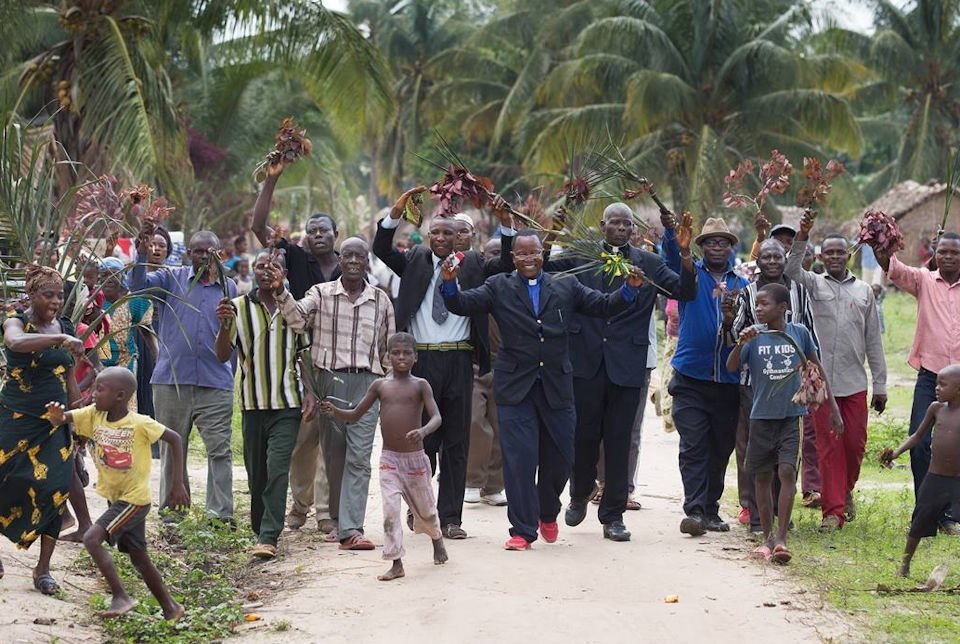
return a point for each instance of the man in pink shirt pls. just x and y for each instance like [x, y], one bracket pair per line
[936, 343]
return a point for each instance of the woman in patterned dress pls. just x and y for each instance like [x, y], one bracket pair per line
[36, 459]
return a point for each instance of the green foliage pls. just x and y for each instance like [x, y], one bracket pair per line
[201, 561]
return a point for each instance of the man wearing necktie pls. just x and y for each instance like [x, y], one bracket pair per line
[533, 377]
[447, 344]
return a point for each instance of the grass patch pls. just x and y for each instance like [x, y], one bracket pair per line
[202, 563]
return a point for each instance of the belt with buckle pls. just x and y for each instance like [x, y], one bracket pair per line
[351, 370]
[445, 346]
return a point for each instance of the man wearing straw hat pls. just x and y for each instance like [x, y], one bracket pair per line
[706, 396]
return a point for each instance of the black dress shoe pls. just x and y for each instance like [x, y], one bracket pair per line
[616, 531]
[576, 512]
[716, 524]
[693, 525]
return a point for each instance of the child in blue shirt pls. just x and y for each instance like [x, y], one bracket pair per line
[775, 361]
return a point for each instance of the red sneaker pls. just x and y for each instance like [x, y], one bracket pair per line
[549, 531]
[744, 517]
[516, 543]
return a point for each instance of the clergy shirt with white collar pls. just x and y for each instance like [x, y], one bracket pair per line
[424, 328]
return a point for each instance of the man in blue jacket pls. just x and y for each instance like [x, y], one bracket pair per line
[706, 397]
[609, 369]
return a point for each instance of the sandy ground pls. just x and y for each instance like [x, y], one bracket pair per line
[580, 589]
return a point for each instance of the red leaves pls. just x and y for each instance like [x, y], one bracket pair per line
[98, 199]
[879, 230]
[291, 143]
[813, 389]
[575, 191]
[816, 181]
[774, 178]
[457, 187]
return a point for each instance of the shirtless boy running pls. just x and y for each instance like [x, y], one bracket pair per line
[404, 467]
[941, 485]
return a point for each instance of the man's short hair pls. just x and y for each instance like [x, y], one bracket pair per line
[528, 232]
[950, 235]
[778, 292]
[402, 339]
[323, 215]
[279, 258]
[769, 243]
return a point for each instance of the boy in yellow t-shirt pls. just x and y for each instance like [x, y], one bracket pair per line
[122, 457]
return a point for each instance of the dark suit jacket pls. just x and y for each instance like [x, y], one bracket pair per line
[534, 343]
[621, 343]
[415, 269]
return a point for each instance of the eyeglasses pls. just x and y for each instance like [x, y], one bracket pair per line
[716, 243]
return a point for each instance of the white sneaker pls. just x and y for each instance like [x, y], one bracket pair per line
[498, 499]
[471, 495]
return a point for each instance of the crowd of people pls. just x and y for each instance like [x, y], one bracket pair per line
[506, 372]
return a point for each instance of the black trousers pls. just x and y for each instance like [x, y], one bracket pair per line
[605, 415]
[450, 374]
[705, 414]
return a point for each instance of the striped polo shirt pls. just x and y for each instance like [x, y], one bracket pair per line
[267, 352]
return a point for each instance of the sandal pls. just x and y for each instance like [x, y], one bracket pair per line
[597, 495]
[263, 551]
[633, 504]
[357, 542]
[332, 537]
[763, 552]
[46, 584]
[781, 554]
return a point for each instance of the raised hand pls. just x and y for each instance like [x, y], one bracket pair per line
[501, 209]
[225, 311]
[636, 278]
[449, 269]
[274, 170]
[397, 211]
[668, 219]
[684, 231]
[145, 237]
[762, 225]
[276, 278]
[56, 413]
[806, 221]
[559, 219]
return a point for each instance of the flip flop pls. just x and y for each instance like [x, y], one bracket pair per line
[263, 551]
[781, 554]
[763, 552]
[633, 504]
[46, 584]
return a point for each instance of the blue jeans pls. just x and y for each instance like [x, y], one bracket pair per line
[924, 394]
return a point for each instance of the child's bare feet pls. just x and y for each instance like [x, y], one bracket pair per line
[119, 605]
[77, 535]
[395, 572]
[439, 552]
[174, 613]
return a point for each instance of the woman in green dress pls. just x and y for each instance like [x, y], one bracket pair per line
[36, 459]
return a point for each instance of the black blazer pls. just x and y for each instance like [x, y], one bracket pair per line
[534, 343]
[415, 269]
[622, 342]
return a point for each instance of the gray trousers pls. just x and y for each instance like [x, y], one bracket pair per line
[347, 449]
[211, 410]
[308, 472]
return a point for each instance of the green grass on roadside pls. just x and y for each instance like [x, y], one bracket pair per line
[847, 567]
[201, 563]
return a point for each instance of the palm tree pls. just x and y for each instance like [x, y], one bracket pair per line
[691, 88]
[916, 98]
[109, 73]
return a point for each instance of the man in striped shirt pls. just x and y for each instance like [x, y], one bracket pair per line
[270, 394]
[351, 321]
